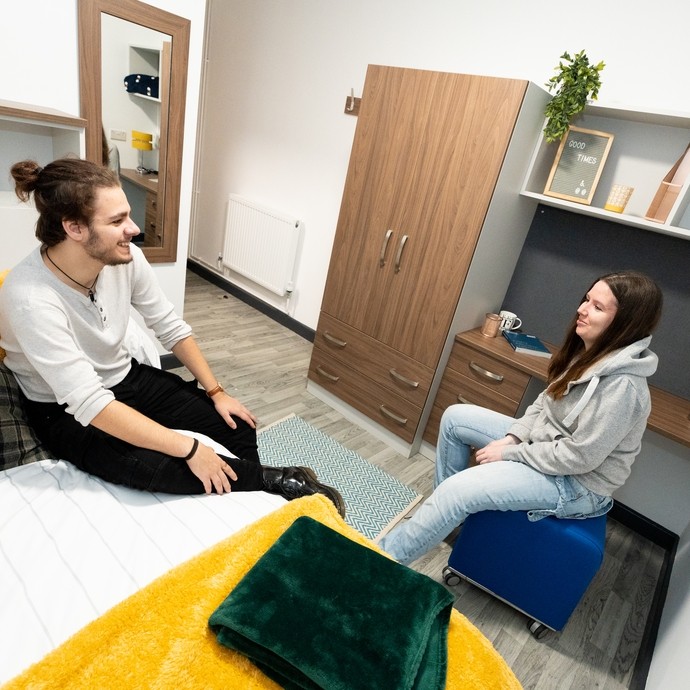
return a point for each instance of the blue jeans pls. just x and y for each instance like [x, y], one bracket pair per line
[460, 491]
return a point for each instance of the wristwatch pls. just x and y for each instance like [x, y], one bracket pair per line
[217, 389]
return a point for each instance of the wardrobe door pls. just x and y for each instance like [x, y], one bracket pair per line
[460, 153]
[359, 272]
[427, 153]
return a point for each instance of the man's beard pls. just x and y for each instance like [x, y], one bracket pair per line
[95, 248]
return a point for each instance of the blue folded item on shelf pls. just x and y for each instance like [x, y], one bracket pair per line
[142, 84]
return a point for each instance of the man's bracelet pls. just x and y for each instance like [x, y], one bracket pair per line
[190, 455]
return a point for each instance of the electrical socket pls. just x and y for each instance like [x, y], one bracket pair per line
[118, 135]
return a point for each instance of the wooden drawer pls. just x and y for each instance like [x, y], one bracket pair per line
[377, 362]
[483, 370]
[151, 235]
[456, 388]
[394, 412]
[476, 378]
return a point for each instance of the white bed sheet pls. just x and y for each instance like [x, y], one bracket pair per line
[73, 546]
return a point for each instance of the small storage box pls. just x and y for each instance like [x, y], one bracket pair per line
[541, 568]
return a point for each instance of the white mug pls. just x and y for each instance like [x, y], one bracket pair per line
[509, 321]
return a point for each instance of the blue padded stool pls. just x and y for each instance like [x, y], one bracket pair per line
[541, 568]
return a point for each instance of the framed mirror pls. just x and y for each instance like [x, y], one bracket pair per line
[133, 82]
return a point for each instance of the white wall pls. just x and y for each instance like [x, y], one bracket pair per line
[275, 132]
[40, 66]
[279, 74]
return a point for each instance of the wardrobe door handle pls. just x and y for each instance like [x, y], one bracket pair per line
[399, 420]
[328, 376]
[486, 373]
[398, 256]
[403, 379]
[464, 401]
[333, 340]
[384, 248]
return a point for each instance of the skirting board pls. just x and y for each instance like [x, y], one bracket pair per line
[669, 542]
[261, 306]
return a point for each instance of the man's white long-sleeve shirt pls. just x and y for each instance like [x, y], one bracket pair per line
[64, 348]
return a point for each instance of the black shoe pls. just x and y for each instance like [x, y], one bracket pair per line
[295, 482]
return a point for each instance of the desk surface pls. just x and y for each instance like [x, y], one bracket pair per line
[148, 182]
[670, 414]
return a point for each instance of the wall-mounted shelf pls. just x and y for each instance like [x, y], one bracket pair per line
[646, 145]
[11, 110]
[143, 60]
[36, 133]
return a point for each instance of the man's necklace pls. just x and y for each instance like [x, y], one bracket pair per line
[86, 287]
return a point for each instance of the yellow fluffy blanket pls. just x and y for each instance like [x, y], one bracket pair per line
[159, 638]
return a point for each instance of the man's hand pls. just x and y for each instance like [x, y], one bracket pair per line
[227, 407]
[493, 452]
[212, 470]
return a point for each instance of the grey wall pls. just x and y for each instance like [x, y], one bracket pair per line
[565, 252]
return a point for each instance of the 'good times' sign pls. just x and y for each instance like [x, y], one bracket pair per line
[578, 166]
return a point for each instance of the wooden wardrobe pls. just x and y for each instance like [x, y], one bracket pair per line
[428, 152]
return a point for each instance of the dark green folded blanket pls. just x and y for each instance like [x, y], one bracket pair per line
[320, 611]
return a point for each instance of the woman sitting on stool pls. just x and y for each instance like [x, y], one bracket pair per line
[572, 448]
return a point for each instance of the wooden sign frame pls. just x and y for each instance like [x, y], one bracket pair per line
[578, 165]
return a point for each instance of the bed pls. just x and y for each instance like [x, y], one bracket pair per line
[73, 546]
[84, 563]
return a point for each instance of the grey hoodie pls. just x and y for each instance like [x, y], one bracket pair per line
[594, 432]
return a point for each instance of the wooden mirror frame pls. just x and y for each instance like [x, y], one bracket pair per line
[172, 126]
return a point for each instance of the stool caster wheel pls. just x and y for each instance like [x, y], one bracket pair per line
[450, 577]
[537, 629]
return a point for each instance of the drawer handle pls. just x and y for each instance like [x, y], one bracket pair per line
[464, 401]
[398, 420]
[328, 376]
[403, 379]
[486, 373]
[333, 340]
[384, 248]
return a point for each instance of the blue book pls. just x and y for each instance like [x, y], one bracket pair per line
[526, 344]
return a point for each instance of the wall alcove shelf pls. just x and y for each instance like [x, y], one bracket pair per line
[646, 146]
[10, 110]
[36, 133]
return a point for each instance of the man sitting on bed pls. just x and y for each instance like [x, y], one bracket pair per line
[64, 314]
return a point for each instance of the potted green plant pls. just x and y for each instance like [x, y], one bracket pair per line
[577, 81]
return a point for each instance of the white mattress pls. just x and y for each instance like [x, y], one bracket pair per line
[73, 546]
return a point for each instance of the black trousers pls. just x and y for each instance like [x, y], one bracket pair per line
[167, 399]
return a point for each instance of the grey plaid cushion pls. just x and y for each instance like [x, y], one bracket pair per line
[18, 442]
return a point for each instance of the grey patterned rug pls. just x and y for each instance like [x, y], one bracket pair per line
[374, 500]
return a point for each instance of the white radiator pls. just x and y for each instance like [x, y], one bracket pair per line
[261, 244]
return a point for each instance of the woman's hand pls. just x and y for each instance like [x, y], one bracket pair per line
[227, 407]
[212, 470]
[493, 452]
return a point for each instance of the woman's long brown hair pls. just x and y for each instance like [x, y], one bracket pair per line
[639, 309]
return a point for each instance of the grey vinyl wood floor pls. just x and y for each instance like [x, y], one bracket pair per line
[265, 365]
